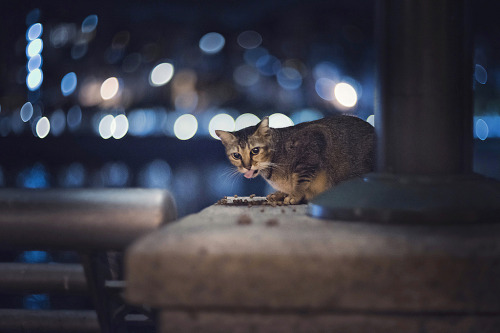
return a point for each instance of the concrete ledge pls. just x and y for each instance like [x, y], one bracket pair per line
[209, 322]
[276, 258]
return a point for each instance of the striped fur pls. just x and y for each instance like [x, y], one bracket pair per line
[304, 160]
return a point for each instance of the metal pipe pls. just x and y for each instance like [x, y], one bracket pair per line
[13, 321]
[424, 98]
[81, 219]
[42, 278]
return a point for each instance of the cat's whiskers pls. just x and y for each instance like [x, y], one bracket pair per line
[267, 165]
[231, 172]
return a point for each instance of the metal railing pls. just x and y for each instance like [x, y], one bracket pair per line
[97, 223]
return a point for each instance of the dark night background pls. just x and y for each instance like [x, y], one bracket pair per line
[304, 47]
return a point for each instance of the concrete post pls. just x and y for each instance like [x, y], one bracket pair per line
[424, 96]
[423, 116]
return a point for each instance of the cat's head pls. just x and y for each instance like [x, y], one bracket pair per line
[249, 149]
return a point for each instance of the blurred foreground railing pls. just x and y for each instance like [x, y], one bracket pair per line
[103, 219]
[98, 224]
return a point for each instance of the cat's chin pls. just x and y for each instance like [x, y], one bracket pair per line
[251, 174]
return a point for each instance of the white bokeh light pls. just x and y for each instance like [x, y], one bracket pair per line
[34, 79]
[185, 127]
[34, 47]
[43, 127]
[245, 120]
[121, 126]
[161, 74]
[222, 121]
[345, 94]
[26, 112]
[109, 88]
[371, 120]
[279, 120]
[107, 126]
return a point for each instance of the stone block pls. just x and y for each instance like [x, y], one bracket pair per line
[268, 259]
[234, 322]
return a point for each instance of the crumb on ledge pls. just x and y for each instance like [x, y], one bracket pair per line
[251, 201]
[244, 219]
[272, 222]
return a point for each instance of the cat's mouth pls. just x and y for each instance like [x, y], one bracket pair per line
[251, 174]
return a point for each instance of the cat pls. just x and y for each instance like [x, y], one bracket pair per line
[304, 160]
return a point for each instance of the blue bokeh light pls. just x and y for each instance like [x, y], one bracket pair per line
[34, 177]
[246, 75]
[57, 122]
[36, 302]
[79, 50]
[73, 176]
[289, 78]
[212, 43]
[89, 23]
[35, 62]
[253, 55]
[115, 174]
[481, 129]
[249, 39]
[156, 174]
[268, 65]
[35, 257]
[34, 31]
[306, 115]
[68, 84]
[480, 74]
[142, 122]
[74, 117]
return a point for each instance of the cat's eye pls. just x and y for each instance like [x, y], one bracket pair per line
[236, 156]
[255, 151]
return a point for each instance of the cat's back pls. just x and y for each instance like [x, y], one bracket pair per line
[342, 144]
[334, 127]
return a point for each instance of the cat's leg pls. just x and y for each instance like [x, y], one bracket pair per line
[302, 182]
[308, 180]
[308, 153]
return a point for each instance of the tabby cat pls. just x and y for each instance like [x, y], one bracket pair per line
[304, 160]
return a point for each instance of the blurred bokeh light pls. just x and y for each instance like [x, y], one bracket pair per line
[130, 93]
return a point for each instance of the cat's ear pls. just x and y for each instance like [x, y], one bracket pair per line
[263, 127]
[225, 137]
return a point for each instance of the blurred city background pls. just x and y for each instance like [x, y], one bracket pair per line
[129, 93]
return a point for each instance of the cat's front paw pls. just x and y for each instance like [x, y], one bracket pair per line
[276, 196]
[292, 200]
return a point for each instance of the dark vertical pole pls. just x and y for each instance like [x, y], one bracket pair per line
[423, 124]
[424, 104]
